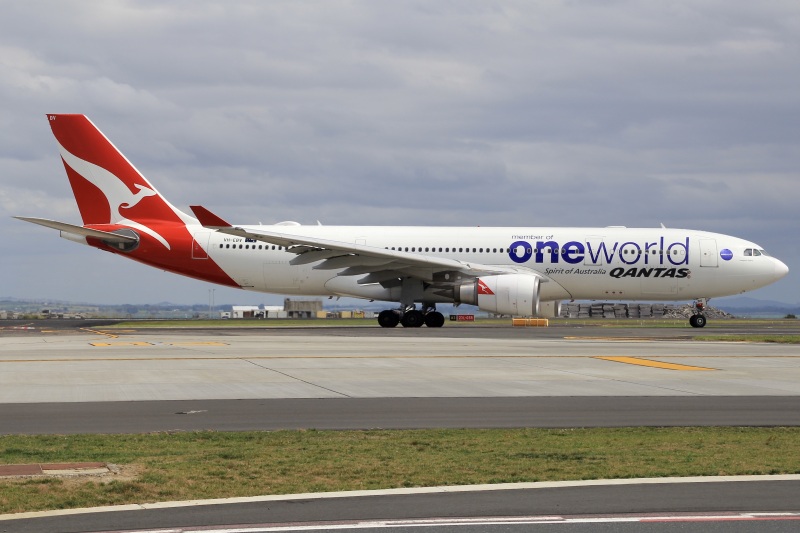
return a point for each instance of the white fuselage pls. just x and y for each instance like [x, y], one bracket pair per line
[577, 263]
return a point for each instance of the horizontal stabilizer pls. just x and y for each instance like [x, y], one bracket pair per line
[106, 236]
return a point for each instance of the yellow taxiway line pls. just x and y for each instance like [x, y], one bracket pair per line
[653, 364]
[111, 335]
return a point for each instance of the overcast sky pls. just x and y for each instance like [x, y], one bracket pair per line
[530, 113]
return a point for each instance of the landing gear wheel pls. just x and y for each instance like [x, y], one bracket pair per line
[697, 321]
[434, 319]
[412, 319]
[388, 318]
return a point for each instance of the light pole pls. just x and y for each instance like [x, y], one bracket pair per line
[210, 301]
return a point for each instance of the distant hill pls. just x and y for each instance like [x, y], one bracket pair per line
[744, 305]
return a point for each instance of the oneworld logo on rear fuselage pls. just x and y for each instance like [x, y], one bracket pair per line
[599, 252]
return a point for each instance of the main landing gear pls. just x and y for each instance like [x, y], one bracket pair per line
[698, 319]
[411, 318]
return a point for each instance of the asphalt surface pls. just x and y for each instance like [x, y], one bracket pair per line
[398, 413]
[661, 498]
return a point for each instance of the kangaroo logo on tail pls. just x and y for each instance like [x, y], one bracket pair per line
[107, 187]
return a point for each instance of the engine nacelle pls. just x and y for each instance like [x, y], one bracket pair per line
[510, 294]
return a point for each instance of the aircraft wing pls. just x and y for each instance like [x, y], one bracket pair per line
[80, 230]
[376, 264]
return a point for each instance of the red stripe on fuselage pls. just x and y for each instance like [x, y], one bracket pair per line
[177, 260]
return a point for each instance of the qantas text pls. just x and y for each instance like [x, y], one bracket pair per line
[599, 252]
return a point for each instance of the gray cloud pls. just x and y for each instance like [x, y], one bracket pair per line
[446, 113]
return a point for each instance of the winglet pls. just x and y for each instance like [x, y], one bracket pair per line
[207, 218]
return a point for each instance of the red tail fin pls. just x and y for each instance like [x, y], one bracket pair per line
[107, 187]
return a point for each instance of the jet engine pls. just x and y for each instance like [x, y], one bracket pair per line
[509, 294]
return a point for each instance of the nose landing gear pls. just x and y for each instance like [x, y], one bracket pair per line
[698, 319]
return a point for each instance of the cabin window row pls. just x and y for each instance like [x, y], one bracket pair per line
[447, 250]
[748, 252]
[652, 252]
[248, 247]
[508, 250]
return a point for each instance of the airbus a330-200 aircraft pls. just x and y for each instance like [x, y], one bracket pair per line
[504, 270]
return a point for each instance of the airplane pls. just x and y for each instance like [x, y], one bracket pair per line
[502, 270]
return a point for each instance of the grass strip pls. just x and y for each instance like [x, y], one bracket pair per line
[199, 465]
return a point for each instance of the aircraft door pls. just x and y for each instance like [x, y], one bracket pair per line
[708, 253]
[198, 249]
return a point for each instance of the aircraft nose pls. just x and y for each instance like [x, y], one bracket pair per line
[780, 269]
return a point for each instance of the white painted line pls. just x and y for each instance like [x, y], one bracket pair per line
[487, 521]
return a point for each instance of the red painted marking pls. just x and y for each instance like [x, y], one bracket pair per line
[484, 288]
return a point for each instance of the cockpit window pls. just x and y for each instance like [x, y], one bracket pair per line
[748, 252]
[763, 252]
[756, 252]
